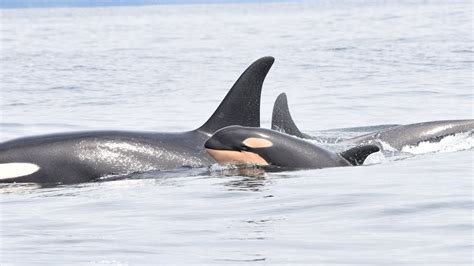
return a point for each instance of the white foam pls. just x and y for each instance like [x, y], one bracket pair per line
[11, 170]
[386, 146]
[457, 142]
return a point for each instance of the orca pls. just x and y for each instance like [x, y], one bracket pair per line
[413, 134]
[238, 145]
[282, 120]
[396, 136]
[69, 158]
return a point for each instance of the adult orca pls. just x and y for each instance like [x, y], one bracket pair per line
[69, 158]
[265, 147]
[413, 134]
[397, 136]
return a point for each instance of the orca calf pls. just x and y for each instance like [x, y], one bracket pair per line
[397, 136]
[84, 156]
[265, 147]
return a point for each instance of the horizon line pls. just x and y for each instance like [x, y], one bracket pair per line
[12, 4]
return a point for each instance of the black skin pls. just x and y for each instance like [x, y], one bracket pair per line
[69, 158]
[287, 151]
[81, 157]
[397, 136]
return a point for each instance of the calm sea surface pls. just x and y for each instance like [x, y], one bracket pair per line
[166, 68]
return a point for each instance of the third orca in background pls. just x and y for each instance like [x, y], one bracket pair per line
[397, 136]
[84, 156]
[265, 147]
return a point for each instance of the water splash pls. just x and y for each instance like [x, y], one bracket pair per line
[18, 188]
[452, 143]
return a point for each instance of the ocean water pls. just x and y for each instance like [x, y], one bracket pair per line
[166, 68]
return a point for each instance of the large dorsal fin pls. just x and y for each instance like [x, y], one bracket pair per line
[281, 118]
[357, 155]
[241, 105]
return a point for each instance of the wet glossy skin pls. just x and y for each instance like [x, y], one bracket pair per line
[284, 151]
[79, 157]
[412, 134]
[397, 136]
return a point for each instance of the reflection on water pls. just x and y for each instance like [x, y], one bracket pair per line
[243, 178]
[166, 68]
[18, 188]
[247, 183]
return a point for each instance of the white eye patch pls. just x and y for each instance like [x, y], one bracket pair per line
[11, 170]
[257, 143]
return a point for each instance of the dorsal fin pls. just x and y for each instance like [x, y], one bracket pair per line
[281, 118]
[357, 155]
[241, 105]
